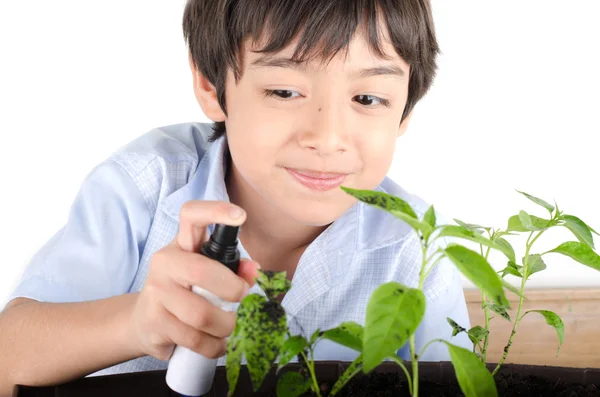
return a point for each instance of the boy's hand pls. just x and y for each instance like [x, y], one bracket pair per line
[166, 312]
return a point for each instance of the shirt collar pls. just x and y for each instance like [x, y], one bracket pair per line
[207, 183]
[325, 261]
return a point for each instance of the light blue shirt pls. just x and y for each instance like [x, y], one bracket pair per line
[128, 208]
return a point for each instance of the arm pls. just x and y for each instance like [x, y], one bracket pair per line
[52, 343]
[67, 314]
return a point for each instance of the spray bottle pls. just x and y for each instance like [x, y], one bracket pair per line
[190, 373]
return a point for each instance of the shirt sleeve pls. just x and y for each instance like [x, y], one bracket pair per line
[96, 253]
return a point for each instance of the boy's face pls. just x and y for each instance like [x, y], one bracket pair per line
[298, 132]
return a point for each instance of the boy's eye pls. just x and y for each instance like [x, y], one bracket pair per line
[284, 94]
[371, 101]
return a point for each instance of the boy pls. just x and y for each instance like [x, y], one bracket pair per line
[306, 95]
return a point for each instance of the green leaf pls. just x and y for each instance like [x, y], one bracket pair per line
[580, 229]
[382, 200]
[554, 321]
[526, 221]
[471, 226]
[349, 334]
[456, 329]
[392, 204]
[515, 224]
[352, 370]
[477, 333]
[512, 288]
[292, 384]
[506, 248]
[430, 219]
[394, 312]
[290, 349]
[273, 283]
[259, 334]
[582, 253]
[591, 230]
[538, 201]
[463, 232]
[473, 377]
[233, 360]
[513, 269]
[535, 264]
[499, 310]
[478, 270]
[316, 335]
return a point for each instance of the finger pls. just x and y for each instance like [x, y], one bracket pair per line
[189, 269]
[184, 335]
[197, 312]
[248, 270]
[195, 215]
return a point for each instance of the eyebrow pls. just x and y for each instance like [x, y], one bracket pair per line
[277, 62]
[281, 62]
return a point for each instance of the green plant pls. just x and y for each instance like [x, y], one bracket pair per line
[581, 251]
[393, 314]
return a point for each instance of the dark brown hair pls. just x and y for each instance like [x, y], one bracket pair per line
[216, 30]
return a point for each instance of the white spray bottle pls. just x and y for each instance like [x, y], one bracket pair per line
[190, 373]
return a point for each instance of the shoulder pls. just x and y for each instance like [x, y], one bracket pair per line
[159, 162]
[173, 144]
[386, 238]
[379, 228]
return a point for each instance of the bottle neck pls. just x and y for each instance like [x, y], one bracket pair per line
[220, 252]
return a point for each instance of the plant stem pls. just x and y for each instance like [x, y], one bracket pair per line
[397, 360]
[427, 345]
[311, 369]
[413, 353]
[521, 298]
[415, 366]
[486, 311]
[433, 264]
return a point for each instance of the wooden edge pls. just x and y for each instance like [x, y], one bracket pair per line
[535, 341]
[538, 294]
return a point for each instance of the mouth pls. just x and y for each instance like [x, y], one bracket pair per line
[316, 180]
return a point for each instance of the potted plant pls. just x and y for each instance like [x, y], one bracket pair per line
[393, 314]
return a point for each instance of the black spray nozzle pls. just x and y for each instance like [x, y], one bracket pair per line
[225, 235]
[222, 246]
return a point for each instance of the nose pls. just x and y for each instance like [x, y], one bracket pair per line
[327, 134]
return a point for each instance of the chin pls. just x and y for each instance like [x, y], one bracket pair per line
[316, 214]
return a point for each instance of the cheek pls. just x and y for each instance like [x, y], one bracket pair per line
[377, 154]
[250, 122]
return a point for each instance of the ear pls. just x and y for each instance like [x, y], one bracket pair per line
[404, 124]
[206, 94]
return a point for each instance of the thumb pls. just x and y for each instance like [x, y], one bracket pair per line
[248, 270]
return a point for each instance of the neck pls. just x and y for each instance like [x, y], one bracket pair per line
[275, 241]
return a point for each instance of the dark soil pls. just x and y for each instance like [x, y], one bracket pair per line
[394, 384]
[436, 381]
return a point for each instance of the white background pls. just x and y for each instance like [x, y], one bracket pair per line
[514, 106]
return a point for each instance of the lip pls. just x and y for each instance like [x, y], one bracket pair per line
[318, 181]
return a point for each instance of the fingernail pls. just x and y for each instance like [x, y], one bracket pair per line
[246, 290]
[235, 212]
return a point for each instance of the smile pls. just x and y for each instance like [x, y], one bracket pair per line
[315, 180]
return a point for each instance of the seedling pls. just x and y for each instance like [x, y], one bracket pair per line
[393, 314]
[581, 251]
